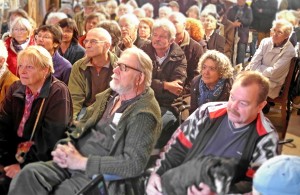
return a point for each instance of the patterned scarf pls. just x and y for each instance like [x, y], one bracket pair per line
[18, 47]
[207, 95]
[27, 110]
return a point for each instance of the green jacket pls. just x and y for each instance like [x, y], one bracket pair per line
[137, 131]
[80, 84]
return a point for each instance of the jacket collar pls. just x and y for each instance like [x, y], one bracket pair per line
[45, 90]
[85, 61]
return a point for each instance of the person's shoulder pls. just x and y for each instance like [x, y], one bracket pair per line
[176, 51]
[81, 63]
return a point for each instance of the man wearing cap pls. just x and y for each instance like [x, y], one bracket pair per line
[236, 129]
[89, 6]
[277, 176]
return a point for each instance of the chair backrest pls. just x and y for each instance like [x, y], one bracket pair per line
[287, 84]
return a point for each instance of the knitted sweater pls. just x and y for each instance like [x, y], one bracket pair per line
[136, 134]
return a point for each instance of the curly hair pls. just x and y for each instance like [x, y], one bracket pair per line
[224, 66]
[195, 29]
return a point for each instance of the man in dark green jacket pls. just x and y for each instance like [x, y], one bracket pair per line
[114, 138]
[91, 74]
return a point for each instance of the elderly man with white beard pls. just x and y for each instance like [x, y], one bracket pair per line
[114, 138]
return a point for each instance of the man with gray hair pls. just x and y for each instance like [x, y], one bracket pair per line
[115, 138]
[91, 74]
[6, 77]
[274, 55]
[129, 24]
[192, 50]
[169, 73]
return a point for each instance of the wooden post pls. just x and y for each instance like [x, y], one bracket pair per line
[37, 11]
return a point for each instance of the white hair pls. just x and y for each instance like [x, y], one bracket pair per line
[131, 18]
[55, 15]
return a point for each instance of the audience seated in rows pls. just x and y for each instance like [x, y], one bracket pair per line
[119, 132]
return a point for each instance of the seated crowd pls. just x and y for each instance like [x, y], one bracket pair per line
[92, 92]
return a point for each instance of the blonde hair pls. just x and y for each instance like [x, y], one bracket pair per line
[38, 56]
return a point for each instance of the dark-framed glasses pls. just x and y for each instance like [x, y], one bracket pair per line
[124, 67]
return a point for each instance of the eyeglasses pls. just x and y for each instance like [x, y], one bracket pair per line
[42, 37]
[124, 67]
[19, 30]
[92, 42]
[277, 32]
[204, 67]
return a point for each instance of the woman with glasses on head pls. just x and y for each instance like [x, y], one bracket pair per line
[49, 37]
[215, 79]
[34, 114]
[20, 37]
[70, 48]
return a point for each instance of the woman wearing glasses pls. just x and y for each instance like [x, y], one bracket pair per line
[215, 79]
[20, 38]
[70, 48]
[49, 37]
[34, 114]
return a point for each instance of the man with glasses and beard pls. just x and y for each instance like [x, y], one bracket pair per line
[115, 137]
[236, 129]
[91, 74]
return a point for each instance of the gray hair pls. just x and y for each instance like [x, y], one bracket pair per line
[22, 22]
[148, 6]
[144, 61]
[133, 20]
[55, 15]
[223, 63]
[167, 26]
[286, 26]
[166, 9]
[179, 16]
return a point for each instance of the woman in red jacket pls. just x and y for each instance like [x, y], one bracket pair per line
[20, 38]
